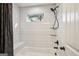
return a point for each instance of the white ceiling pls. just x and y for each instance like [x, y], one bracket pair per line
[32, 4]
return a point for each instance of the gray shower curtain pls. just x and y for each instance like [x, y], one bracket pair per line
[6, 29]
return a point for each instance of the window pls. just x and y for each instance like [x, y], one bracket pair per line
[35, 17]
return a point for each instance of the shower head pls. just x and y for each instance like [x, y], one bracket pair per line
[52, 9]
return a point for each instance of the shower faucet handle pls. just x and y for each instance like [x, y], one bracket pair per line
[62, 48]
[55, 47]
[57, 42]
[55, 54]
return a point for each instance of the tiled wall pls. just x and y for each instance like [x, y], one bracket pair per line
[16, 26]
[71, 25]
[37, 34]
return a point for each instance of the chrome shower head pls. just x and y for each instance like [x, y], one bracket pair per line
[53, 9]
